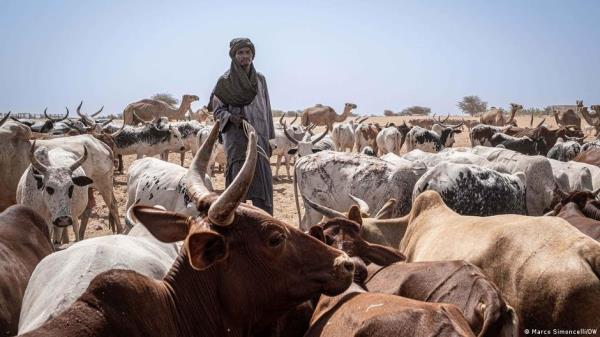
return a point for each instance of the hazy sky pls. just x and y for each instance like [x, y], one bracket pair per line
[377, 54]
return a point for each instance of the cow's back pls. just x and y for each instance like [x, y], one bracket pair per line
[454, 282]
[63, 276]
[526, 257]
[24, 241]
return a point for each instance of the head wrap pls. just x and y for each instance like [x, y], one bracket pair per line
[237, 87]
[239, 43]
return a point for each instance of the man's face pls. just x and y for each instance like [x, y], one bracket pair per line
[244, 56]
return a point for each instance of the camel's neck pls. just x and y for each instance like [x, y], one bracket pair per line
[342, 117]
[179, 113]
[591, 120]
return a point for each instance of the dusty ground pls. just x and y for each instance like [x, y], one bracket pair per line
[283, 193]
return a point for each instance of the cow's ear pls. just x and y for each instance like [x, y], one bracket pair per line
[457, 131]
[205, 248]
[316, 231]
[354, 214]
[316, 150]
[39, 180]
[82, 181]
[165, 226]
[293, 151]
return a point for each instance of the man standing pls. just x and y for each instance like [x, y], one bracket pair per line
[241, 95]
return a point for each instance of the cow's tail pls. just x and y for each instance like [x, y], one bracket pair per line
[296, 195]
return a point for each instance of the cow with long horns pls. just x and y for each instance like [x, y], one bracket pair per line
[56, 186]
[234, 255]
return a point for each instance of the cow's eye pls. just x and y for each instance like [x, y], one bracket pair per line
[276, 239]
[50, 190]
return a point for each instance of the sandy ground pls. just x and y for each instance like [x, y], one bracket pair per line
[283, 193]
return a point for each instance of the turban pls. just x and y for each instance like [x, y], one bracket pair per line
[239, 43]
[237, 87]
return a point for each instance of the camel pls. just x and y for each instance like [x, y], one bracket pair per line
[592, 120]
[495, 116]
[325, 115]
[569, 117]
[202, 115]
[154, 109]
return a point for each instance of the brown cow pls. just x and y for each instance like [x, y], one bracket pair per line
[582, 210]
[366, 135]
[24, 241]
[549, 136]
[357, 313]
[528, 258]
[590, 156]
[238, 270]
[454, 282]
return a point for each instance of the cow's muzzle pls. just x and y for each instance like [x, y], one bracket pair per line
[63, 221]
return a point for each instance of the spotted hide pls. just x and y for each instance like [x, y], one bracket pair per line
[473, 190]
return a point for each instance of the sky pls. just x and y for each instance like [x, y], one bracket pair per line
[376, 54]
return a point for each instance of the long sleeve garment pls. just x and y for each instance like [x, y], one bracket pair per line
[258, 113]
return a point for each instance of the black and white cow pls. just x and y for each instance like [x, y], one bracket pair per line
[188, 131]
[524, 145]
[474, 190]
[482, 134]
[430, 141]
[147, 140]
[564, 150]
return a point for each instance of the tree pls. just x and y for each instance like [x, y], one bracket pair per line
[388, 113]
[472, 105]
[167, 98]
[416, 110]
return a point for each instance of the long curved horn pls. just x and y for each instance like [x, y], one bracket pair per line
[445, 119]
[103, 124]
[320, 137]
[79, 161]
[540, 123]
[531, 121]
[118, 132]
[97, 112]
[459, 125]
[362, 120]
[295, 118]
[222, 211]
[79, 110]
[85, 118]
[195, 174]
[291, 139]
[364, 208]
[140, 118]
[281, 119]
[325, 211]
[4, 119]
[34, 161]
[595, 192]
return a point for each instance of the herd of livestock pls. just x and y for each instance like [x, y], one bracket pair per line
[497, 239]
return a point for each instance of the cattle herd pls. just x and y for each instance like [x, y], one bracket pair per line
[497, 239]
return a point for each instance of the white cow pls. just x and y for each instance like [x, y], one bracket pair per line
[14, 158]
[151, 181]
[330, 177]
[56, 186]
[99, 167]
[343, 134]
[389, 140]
[538, 172]
[187, 132]
[571, 177]
[60, 278]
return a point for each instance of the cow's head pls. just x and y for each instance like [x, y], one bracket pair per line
[305, 146]
[59, 185]
[254, 260]
[447, 135]
[585, 200]
[344, 232]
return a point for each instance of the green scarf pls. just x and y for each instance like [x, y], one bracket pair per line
[237, 87]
